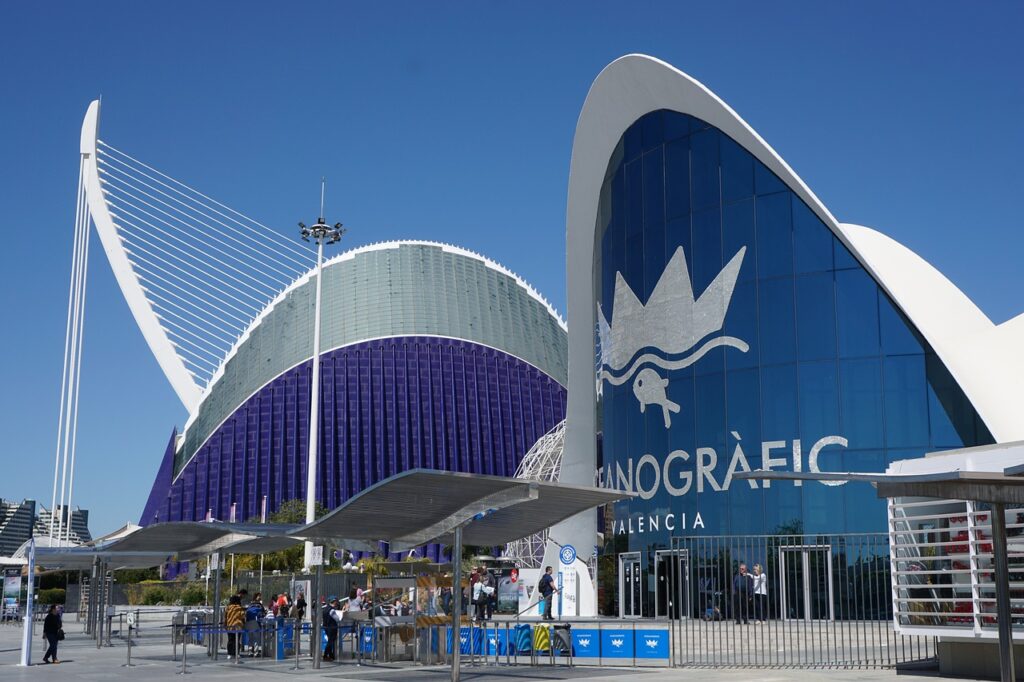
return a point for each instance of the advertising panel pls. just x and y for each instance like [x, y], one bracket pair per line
[616, 644]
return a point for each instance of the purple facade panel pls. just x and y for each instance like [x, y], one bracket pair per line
[387, 406]
[156, 506]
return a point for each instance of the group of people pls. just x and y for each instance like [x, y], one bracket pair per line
[483, 588]
[333, 612]
[238, 618]
[750, 592]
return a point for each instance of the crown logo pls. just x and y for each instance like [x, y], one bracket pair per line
[672, 322]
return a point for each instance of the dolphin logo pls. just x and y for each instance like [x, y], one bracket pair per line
[649, 389]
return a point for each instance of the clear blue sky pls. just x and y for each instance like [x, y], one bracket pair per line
[454, 122]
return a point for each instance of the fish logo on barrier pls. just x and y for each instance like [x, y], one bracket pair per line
[584, 641]
[617, 642]
[669, 326]
[652, 642]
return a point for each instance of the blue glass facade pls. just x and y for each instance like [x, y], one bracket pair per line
[800, 360]
[387, 405]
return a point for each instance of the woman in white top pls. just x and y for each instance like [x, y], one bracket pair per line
[760, 594]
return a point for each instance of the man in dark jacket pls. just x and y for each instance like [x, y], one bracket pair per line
[742, 591]
[330, 624]
[547, 591]
[51, 632]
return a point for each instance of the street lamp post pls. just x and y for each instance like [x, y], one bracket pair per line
[322, 234]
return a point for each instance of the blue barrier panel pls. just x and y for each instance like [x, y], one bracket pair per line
[285, 640]
[366, 640]
[652, 643]
[523, 638]
[616, 644]
[586, 643]
[497, 641]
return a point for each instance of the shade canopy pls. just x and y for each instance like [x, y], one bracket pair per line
[423, 505]
[409, 509]
[1005, 487]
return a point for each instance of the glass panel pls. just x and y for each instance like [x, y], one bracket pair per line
[774, 236]
[906, 407]
[812, 241]
[860, 385]
[737, 171]
[704, 169]
[777, 332]
[857, 313]
[897, 337]
[677, 178]
[766, 182]
[738, 232]
[815, 316]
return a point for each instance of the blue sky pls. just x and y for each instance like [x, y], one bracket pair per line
[454, 122]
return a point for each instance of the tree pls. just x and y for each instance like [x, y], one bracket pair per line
[286, 560]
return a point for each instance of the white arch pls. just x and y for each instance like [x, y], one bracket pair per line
[170, 362]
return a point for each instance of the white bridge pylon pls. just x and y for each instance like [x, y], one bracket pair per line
[195, 272]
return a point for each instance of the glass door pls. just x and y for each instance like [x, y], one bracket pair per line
[806, 582]
[672, 584]
[630, 586]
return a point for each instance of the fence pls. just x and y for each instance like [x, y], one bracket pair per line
[825, 601]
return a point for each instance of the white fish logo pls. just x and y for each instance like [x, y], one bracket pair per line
[673, 322]
[649, 389]
[651, 642]
[584, 641]
[617, 642]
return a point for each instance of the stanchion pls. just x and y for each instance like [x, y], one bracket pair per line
[184, 653]
[296, 638]
[129, 664]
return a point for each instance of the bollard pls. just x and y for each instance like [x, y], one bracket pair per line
[184, 654]
[296, 636]
[129, 664]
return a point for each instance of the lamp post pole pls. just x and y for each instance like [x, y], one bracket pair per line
[322, 234]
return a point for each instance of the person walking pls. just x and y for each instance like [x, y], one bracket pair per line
[234, 622]
[53, 632]
[547, 592]
[491, 590]
[760, 595]
[331, 619]
[300, 606]
[742, 589]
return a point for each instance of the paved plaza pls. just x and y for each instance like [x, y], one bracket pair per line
[152, 659]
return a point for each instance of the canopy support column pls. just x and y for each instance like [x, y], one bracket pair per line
[1004, 616]
[215, 630]
[457, 603]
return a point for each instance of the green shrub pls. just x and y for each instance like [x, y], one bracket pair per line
[54, 595]
[153, 595]
[193, 595]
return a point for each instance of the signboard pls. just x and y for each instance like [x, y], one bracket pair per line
[508, 591]
[568, 586]
[651, 644]
[12, 593]
[616, 644]
[586, 643]
[567, 555]
[316, 555]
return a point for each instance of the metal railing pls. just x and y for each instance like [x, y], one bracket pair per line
[824, 602]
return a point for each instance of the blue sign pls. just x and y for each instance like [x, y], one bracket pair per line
[366, 639]
[567, 555]
[586, 643]
[464, 643]
[496, 640]
[652, 643]
[616, 644]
